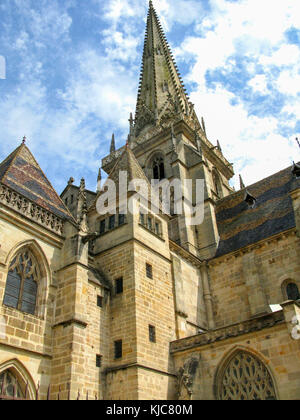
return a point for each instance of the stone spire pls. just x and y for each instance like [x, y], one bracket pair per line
[113, 145]
[242, 185]
[161, 91]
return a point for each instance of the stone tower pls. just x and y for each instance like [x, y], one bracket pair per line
[170, 142]
[143, 305]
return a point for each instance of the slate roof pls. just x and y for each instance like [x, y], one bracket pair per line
[239, 225]
[21, 172]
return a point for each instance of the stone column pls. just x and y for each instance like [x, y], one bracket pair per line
[207, 297]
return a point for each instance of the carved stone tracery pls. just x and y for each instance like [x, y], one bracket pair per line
[246, 378]
[30, 210]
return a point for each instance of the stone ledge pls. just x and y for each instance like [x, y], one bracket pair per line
[69, 322]
[30, 210]
[221, 334]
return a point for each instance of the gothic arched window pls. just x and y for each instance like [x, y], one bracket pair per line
[245, 377]
[10, 386]
[22, 283]
[158, 167]
[292, 291]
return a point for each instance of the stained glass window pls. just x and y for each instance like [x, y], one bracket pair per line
[9, 385]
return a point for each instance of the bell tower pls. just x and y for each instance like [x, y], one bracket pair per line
[170, 142]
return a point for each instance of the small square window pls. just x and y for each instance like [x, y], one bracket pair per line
[98, 361]
[118, 349]
[100, 301]
[119, 285]
[102, 226]
[152, 334]
[149, 271]
[112, 222]
[121, 219]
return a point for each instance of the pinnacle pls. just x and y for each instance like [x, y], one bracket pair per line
[242, 185]
[113, 144]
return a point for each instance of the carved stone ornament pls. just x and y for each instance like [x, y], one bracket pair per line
[186, 378]
[245, 377]
[32, 211]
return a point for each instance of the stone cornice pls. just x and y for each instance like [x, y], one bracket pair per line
[137, 365]
[185, 254]
[30, 210]
[225, 333]
[72, 321]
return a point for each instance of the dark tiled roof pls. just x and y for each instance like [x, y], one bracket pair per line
[239, 225]
[21, 172]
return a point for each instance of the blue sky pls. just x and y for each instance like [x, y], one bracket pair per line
[72, 71]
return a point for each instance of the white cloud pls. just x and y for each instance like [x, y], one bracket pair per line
[247, 29]
[286, 55]
[288, 82]
[101, 85]
[259, 84]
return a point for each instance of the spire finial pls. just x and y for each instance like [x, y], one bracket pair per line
[99, 179]
[24, 140]
[113, 145]
[242, 185]
[151, 4]
[131, 125]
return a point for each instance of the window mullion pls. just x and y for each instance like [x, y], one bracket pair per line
[20, 301]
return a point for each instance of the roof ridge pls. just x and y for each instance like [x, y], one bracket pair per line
[224, 199]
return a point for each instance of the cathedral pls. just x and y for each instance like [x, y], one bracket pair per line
[146, 306]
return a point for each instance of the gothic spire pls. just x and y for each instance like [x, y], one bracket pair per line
[161, 90]
[242, 185]
[113, 145]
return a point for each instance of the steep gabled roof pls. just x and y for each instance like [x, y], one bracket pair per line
[21, 172]
[240, 225]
